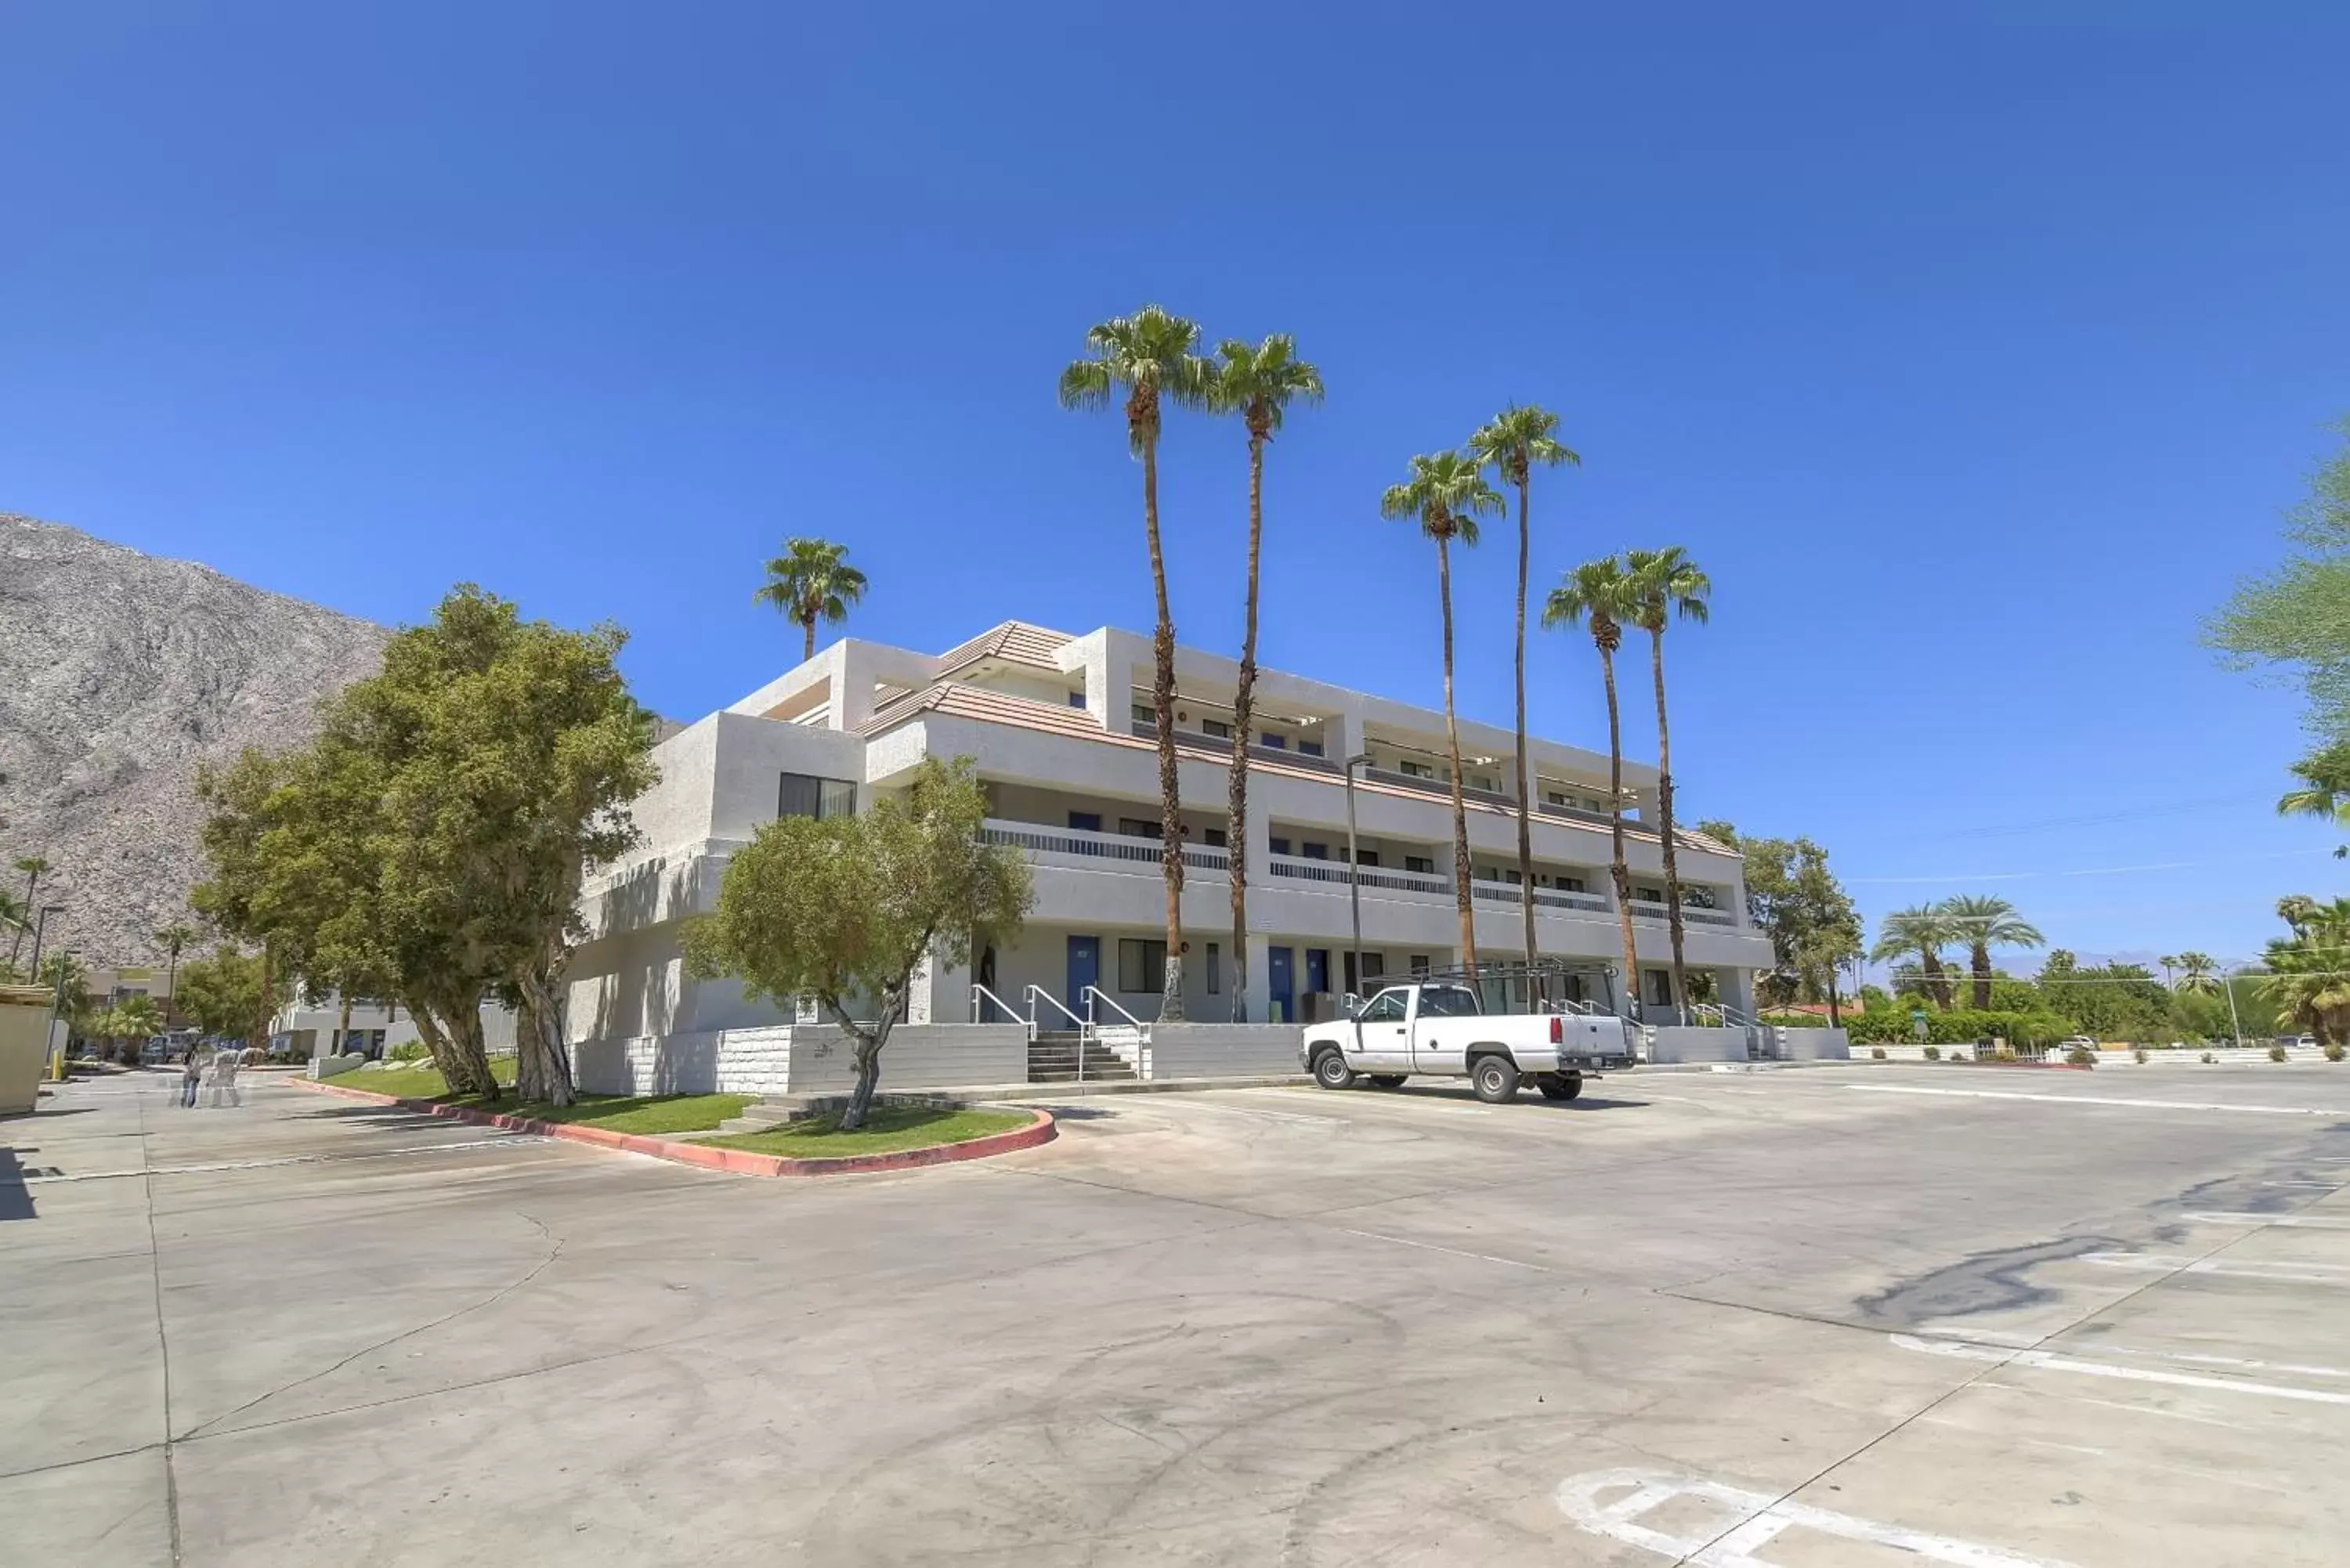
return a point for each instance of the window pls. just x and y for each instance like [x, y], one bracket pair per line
[1278, 846]
[1368, 857]
[1387, 1007]
[1136, 828]
[804, 795]
[1447, 1002]
[1554, 797]
[1420, 963]
[1649, 895]
[1214, 837]
[1698, 899]
[1419, 863]
[1315, 851]
[1141, 966]
[1417, 770]
[1143, 714]
[1273, 743]
[1572, 884]
[1481, 782]
[1374, 965]
[1660, 987]
[1309, 748]
[1215, 968]
[1512, 875]
[1216, 727]
[1076, 698]
[1085, 821]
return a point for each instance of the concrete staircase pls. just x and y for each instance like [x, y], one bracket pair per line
[1054, 1055]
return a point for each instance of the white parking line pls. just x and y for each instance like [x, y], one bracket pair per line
[1449, 1251]
[2050, 1360]
[2096, 1100]
[502, 1141]
[2301, 1221]
[2169, 1263]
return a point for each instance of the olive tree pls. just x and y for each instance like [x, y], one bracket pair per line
[848, 909]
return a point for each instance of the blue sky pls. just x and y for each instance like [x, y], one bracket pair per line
[1974, 360]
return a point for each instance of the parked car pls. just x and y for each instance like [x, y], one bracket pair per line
[1441, 1030]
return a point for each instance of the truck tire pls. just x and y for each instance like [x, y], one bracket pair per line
[1331, 1072]
[1495, 1079]
[1388, 1080]
[1562, 1085]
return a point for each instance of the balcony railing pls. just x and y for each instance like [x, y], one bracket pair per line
[1691, 914]
[1544, 898]
[1036, 838]
[1300, 869]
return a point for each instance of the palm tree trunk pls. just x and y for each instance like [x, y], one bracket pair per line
[1525, 799]
[1981, 958]
[1665, 823]
[1619, 871]
[1461, 890]
[807, 639]
[32, 913]
[1162, 707]
[171, 989]
[1938, 987]
[1243, 700]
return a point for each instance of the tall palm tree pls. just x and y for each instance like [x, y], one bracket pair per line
[172, 939]
[1668, 584]
[1984, 923]
[2296, 910]
[2306, 975]
[2169, 961]
[2197, 971]
[35, 868]
[1153, 358]
[1511, 444]
[1446, 494]
[12, 915]
[1922, 930]
[810, 581]
[1597, 593]
[1257, 384]
[2324, 775]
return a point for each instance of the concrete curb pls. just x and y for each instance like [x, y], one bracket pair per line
[1040, 1129]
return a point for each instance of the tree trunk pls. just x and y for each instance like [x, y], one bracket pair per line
[1243, 709]
[1836, 1019]
[1665, 825]
[427, 1028]
[869, 1054]
[172, 990]
[1525, 800]
[1162, 706]
[1461, 889]
[1936, 986]
[544, 1039]
[1619, 871]
[1980, 957]
[807, 642]
[259, 1040]
[461, 1023]
[343, 1027]
[530, 1080]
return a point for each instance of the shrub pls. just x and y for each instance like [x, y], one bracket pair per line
[2209, 1057]
[408, 1051]
[2080, 1056]
[2140, 1052]
[1958, 1026]
[1933, 1052]
[2333, 1052]
[2276, 1052]
[2004, 1053]
[1877, 1051]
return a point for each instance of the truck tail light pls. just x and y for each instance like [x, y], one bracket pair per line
[1557, 1030]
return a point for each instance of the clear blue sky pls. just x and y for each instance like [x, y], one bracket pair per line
[1975, 361]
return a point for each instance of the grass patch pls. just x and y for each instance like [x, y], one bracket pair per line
[886, 1130]
[645, 1114]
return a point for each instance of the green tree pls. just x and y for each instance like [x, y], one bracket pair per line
[2324, 790]
[1668, 584]
[1922, 930]
[811, 581]
[1983, 923]
[172, 938]
[1446, 494]
[17, 919]
[1511, 444]
[845, 909]
[1258, 384]
[2197, 971]
[1793, 896]
[1600, 595]
[1152, 357]
[221, 992]
[2296, 620]
[35, 868]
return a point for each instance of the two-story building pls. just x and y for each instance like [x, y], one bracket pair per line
[1061, 732]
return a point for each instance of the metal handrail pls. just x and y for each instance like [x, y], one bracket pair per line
[1094, 992]
[978, 991]
[1036, 990]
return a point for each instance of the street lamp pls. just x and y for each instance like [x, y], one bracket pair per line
[40, 923]
[1354, 872]
[56, 1005]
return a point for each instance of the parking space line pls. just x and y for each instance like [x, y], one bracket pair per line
[2096, 1100]
[2171, 1263]
[504, 1141]
[2052, 1361]
[2300, 1221]
[1449, 1251]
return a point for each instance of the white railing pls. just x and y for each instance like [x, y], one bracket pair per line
[1130, 1043]
[1305, 869]
[1038, 839]
[1648, 910]
[978, 991]
[1035, 992]
[1544, 898]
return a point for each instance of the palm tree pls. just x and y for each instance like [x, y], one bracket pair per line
[2296, 910]
[2197, 971]
[1668, 584]
[2325, 793]
[2306, 977]
[1984, 923]
[1257, 384]
[1922, 930]
[1446, 494]
[172, 939]
[1511, 442]
[2169, 961]
[1600, 595]
[34, 867]
[810, 581]
[1153, 358]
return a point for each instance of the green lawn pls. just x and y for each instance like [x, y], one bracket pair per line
[653, 1115]
[887, 1129]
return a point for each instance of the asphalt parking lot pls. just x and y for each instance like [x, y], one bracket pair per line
[1810, 1319]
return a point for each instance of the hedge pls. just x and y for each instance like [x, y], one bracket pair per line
[1959, 1026]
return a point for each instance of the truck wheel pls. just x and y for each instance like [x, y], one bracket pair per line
[1330, 1071]
[1495, 1079]
[1562, 1085]
[1388, 1080]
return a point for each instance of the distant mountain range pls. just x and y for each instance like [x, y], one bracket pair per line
[118, 673]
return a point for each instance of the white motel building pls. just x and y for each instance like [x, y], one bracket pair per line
[1060, 729]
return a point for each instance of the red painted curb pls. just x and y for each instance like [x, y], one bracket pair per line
[1040, 1129]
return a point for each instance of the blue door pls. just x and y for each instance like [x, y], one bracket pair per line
[1279, 981]
[1085, 970]
[1318, 970]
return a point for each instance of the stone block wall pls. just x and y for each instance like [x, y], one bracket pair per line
[1223, 1050]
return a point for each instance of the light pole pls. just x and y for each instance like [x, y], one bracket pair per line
[2235, 1023]
[56, 1005]
[1353, 866]
[40, 924]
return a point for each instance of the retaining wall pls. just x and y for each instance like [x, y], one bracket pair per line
[1679, 1042]
[799, 1058]
[1223, 1050]
[1814, 1044]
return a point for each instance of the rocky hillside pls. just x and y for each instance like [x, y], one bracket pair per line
[118, 672]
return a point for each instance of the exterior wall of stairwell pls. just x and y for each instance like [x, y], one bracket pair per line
[799, 1059]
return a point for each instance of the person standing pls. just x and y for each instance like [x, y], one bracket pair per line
[221, 1080]
[191, 1076]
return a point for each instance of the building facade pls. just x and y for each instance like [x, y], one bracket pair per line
[1060, 731]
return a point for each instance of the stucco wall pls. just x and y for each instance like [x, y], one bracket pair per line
[1814, 1044]
[799, 1059]
[1673, 1043]
[1223, 1050]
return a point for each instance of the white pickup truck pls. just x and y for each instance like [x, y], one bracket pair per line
[1439, 1029]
